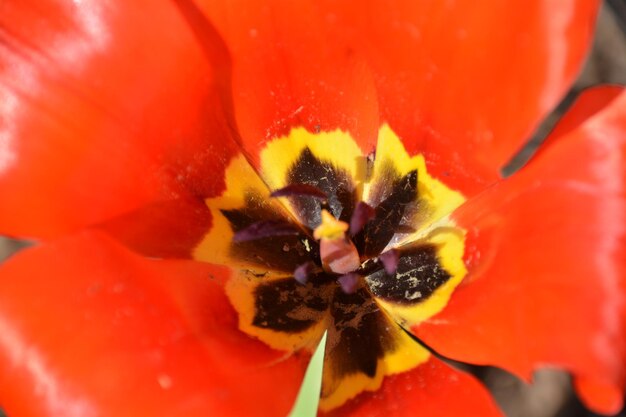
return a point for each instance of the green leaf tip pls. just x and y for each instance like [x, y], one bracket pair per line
[309, 395]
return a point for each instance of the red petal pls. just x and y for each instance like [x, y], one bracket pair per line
[290, 69]
[167, 229]
[104, 108]
[431, 390]
[546, 251]
[466, 84]
[89, 329]
[607, 398]
[586, 105]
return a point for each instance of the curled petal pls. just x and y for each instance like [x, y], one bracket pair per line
[545, 252]
[586, 105]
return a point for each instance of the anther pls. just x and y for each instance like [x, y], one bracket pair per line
[263, 229]
[389, 260]
[303, 271]
[349, 283]
[363, 213]
[299, 189]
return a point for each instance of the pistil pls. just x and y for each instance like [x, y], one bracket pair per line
[338, 253]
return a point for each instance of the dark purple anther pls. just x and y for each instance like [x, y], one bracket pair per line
[390, 261]
[363, 213]
[299, 189]
[263, 229]
[303, 272]
[349, 282]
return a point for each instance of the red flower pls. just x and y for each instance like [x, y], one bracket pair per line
[119, 119]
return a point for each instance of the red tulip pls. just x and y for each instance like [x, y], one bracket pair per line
[121, 124]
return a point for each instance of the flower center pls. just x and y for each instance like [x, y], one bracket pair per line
[329, 239]
[338, 253]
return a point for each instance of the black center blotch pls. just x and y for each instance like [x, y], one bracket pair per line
[335, 183]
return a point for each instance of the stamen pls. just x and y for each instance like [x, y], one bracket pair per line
[349, 282]
[390, 261]
[363, 213]
[303, 272]
[299, 189]
[263, 229]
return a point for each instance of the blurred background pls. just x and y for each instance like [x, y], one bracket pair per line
[551, 394]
